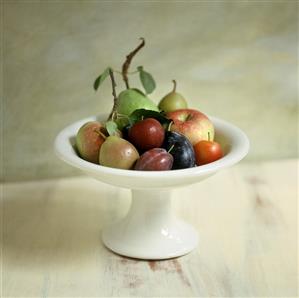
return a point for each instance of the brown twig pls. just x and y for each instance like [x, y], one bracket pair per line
[127, 63]
[113, 111]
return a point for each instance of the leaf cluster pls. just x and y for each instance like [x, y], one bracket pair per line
[145, 77]
[112, 127]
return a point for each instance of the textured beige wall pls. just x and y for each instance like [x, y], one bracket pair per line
[236, 60]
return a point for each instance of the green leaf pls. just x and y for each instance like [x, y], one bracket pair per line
[141, 114]
[147, 80]
[111, 127]
[101, 78]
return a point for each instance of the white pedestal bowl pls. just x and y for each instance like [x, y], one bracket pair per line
[150, 230]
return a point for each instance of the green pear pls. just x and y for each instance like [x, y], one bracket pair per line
[172, 101]
[132, 99]
[118, 153]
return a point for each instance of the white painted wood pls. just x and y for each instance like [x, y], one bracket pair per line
[246, 218]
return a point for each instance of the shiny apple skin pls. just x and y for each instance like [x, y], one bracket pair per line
[147, 134]
[156, 159]
[207, 152]
[193, 124]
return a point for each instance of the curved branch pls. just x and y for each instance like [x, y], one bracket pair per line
[113, 111]
[127, 63]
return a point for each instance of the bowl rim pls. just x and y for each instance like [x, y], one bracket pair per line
[65, 151]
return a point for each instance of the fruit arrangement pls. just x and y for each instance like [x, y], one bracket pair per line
[139, 135]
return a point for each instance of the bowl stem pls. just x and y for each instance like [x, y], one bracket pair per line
[150, 230]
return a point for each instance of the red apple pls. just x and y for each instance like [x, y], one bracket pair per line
[193, 124]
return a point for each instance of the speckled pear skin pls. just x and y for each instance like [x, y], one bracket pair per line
[118, 153]
[172, 101]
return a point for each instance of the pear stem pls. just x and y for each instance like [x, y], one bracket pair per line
[174, 85]
[100, 133]
[209, 138]
[127, 63]
[114, 108]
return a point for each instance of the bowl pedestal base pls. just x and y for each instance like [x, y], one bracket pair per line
[150, 230]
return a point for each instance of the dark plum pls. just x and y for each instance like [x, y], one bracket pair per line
[181, 149]
[156, 159]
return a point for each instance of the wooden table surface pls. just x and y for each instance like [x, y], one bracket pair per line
[246, 217]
